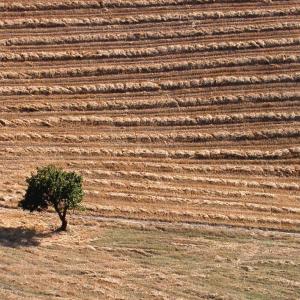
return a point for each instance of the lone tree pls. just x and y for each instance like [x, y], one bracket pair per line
[51, 186]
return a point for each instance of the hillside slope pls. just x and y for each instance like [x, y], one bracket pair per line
[173, 110]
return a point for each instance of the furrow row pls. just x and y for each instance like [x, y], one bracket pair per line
[291, 186]
[145, 52]
[168, 189]
[96, 4]
[170, 102]
[146, 35]
[261, 170]
[149, 86]
[187, 137]
[282, 169]
[285, 153]
[152, 68]
[157, 121]
[132, 197]
[161, 187]
[145, 18]
[191, 216]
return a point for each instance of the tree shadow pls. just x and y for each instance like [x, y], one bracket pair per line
[20, 237]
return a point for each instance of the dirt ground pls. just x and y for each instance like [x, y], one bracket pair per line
[100, 259]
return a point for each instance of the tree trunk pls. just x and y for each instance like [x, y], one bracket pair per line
[62, 216]
[63, 225]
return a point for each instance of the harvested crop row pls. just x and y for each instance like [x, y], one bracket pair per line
[94, 4]
[167, 188]
[152, 68]
[145, 52]
[146, 35]
[149, 86]
[291, 186]
[132, 197]
[157, 137]
[285, 153]
[146, 18]
[196, 217]
[156, 103]
[162, 187]
[277, 170]
[157, 121]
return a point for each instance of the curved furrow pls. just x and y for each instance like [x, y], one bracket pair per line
[160, 103]
[145, 35]
[150, 86]
[284, 153]
[149, 138]
[138, 19]
[152, 68]
[147, 52]
[100, 4]
[156, 121]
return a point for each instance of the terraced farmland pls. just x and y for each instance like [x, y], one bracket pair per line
[173, 110]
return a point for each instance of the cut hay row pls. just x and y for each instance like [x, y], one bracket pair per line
[98, 4]
[277, 170]
[146, 35]
[145, 52]
[285, 153]
[169, 102]
[291, 186]
[149, 86]
[132, 197]
[152, 68]
[187, 137]
[162, 187]
[228, 169]
[157, 121]
[186, 215]
[21, 23]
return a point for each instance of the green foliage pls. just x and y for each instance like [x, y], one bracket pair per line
[51, 186]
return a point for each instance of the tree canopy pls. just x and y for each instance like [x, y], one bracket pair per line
[52, 186]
